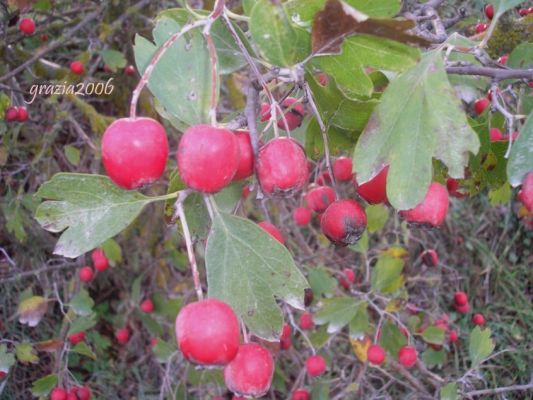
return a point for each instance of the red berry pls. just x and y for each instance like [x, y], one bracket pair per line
[523, 12]
[245, 192]
[480, 28]
[72, 394]
[319, 198]
[478, 319]
[77, 67]
[2, 375]
[347, 278]
[453, 188]
[11, 114]
[489, 11]
[208, 157]
[343, 222]
[250, 372]
[430, 258]
[281, 167]
[246, 158]
[302, 216]
[22, 114]
[293, 116]
[76, 338]
[301, 394]
[134, 151]
[265, 112]
[460, 298]
[480, 105]
[207, 332]
[503, 59]
[100, 261]
[315, 365]
[27, 26]
[272, 230]
[407, 356]
[58, 394]
[84, 393]
[154, 341]
[122, 335]
[452, 336]
[375, 190]
[375, 354]
[525, 195]
[43, 37]
[107, 69]
[285, 340]
[323, 79]
[432, 210]
[342, 169]
[129, 70]
[147, 306]
[86, 274]
[306, 321]
[462, 309]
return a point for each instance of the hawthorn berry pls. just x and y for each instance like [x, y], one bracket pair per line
[315, 366]
[319, 198]
[375, 354]
[285, 340]
[489, 11]
[462, 309]
[207, 332]
[246, 158]
[453, 188]
[134, 151]
[343, 222]
[460, 298]
[480, 28]
[480, 105]
[375, 190]
[208, 157]
[503, 59]
[272, 231]
[72, 394]
[100, 261]
[43, 37]
[293, 110]
[430, 258]
[306, 322]
[129, 70]
[83, 393]
[11, 114]
[27, 26]
[77, 68]
[58, 394]
[76, 338]
[22, 114]
[122, 335]
[324, 178]
[347, 278]
[2, 375]
[86, 274]
[523, 12]
[302, 216]
[301, 394]
[452, 336]
[342, 169]
[407, 356]
[525, 195]
[478, 319]
[432, 210]
[281, 167]
[250, 372]
[147, 306]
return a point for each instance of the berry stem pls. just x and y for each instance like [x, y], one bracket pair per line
[214, 73]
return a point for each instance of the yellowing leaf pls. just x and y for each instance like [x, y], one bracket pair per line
[396, 252]
[31, 310]
[360, 347]
[26, 353]
[394, 306]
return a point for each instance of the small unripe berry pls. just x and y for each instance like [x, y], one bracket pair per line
[207, 332]
[462, 309]
[306, 322]
[100, 261]
[452, 336]
[86, 274]
[489, 11]
[481, 105]
[315, 366]
[430, 258]
[375, 354]
[301, 394]
[122, 335]
[525, 195]
[11, 114]
[480, 28]
[478, 319]
[27, 26]
[77, 67]
[343, 222]
[460, 298]
[319, 198]
[302, 216]
[134, 151]
[76, 338]
[281, 167]
[129, 70]
[147, 306]
[250, 372]
[432, 210]
[272, 231]
[375, 190]
[407, 356]
[246, 156]
[22, 114]
[58, 394]
[285, 341]
[342, 169]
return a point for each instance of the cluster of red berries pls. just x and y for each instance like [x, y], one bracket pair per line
[75, 393]
[407, 355]
[100, 262]
[462, 306]
[16, 114]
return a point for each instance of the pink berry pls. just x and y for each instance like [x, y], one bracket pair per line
[246, 158]
[77, 68]
[86, 274]
[122, 335]
[342, 169]
[407, 356]
[375, 354]
[432, 210]
[27, 26]
[375, 190]
[478, 319]
[315, 366]
[302, 216]
[147, 306]
[100, 261]
[306, 321]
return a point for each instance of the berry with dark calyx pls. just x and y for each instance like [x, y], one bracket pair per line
[272, 231]
[27, 26]
[375, 190]
[375, 354]
[525, 195]
[478, 319]
[250, 372]
[454, 188]
[285, 340]
[302, 216]
[343, 222]
[22, 114]
[147, 306]
[407, 356]
[430, 258]
[306, 322]
[460, 298]
[294, 114]
[77, 67]
[301, 394]
[452, 336]
[100, 261]
[246, 157]
[281, 167]
[342, 169]
[207, 332]
[503, 59]
[347, 278]
[432, 210]
[462, 309]
[489, 11]
[76, 338]
[319, 198]
[480, 28]
[86, 274]
[122, 335]
[11, 114]
[134, 151]
[315, 366]
[480, 105]
[208, 158]
[58, 393]
[129, 70]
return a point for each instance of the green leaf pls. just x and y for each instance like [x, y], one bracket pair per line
[433, 357]
[418, 118]
[359, 323]
[82, 304]
[151, 324]
[387, 274]
[112, 251]
[278, 40]
[480, 346]
[7, 360]
[362, 245]
[321, 282]
[319, 337]
[501, 6]
[113, 59]
[136, 289]
[339, 140]
[337, 313]
[83, 349]
[434, 335]
[181, 80]
[392, 338]
[163, 350]
[26, 353]
[502, 195]
[248, 269]
[521, 159]
[82, 324]
[43, 386]
[449, 392]
[320, 391]
[377, 216]
[90, 207]
[305, 10]
[521, 56]
[72, 154]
